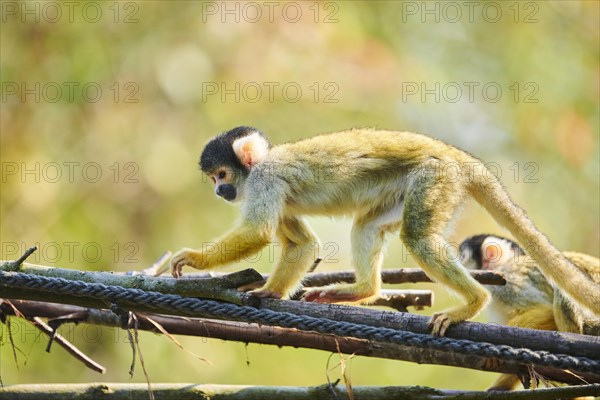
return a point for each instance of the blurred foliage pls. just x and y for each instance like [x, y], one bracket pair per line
[106, 106]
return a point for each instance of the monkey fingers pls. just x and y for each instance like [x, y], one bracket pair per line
[185, 257]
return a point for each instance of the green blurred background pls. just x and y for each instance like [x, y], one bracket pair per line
[107, 105]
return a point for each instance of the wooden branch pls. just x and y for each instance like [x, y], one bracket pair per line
[398, 300]
[190, 391]
[254, 333]
[390, 276]
[581, 345]
[576, 345]
[219, 288]
[393, 276]
[554, 342]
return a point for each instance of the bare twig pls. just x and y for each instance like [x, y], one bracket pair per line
[16, 265]
[65, 344]
[315, 265]
[162, 330]
[135, 343]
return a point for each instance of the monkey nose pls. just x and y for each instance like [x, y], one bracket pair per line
[226, 191]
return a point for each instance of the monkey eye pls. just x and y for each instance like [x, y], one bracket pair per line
[222, 175]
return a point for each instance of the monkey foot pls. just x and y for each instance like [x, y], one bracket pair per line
[440, 322]
[334, 296]
[265, 293]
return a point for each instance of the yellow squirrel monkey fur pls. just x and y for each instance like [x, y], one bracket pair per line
[390, 182]
[528, 299]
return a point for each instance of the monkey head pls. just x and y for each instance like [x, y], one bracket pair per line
[229, 157]
[488, 251]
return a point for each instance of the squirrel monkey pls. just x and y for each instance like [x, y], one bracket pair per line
[528, 299]
[390, 182]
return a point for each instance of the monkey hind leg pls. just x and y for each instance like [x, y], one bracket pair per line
[439, 261]
[368, 244]
[540, 316]
[430, 206]
[362, 291]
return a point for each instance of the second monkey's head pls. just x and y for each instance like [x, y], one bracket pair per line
[228, 158]
[488, 251]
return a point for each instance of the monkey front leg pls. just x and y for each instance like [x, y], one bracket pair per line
[243, 241]
[299, 250]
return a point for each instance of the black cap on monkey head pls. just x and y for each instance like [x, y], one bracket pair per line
[219, 150]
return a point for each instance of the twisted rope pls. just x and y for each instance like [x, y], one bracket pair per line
[193, 307]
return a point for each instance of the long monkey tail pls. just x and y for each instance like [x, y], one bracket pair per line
[487, 190]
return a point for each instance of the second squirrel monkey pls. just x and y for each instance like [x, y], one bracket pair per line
[527, 291]
[528, 299]
[390, 182]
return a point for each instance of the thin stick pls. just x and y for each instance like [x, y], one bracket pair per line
[16, 265]
[65, 344]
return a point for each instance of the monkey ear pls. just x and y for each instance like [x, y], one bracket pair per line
[491, 252]
[495, 252]
[251, 149]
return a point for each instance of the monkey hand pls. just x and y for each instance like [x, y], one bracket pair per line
[346, 293]
[192, 258]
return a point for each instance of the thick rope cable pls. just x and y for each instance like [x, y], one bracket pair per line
[194, 307]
